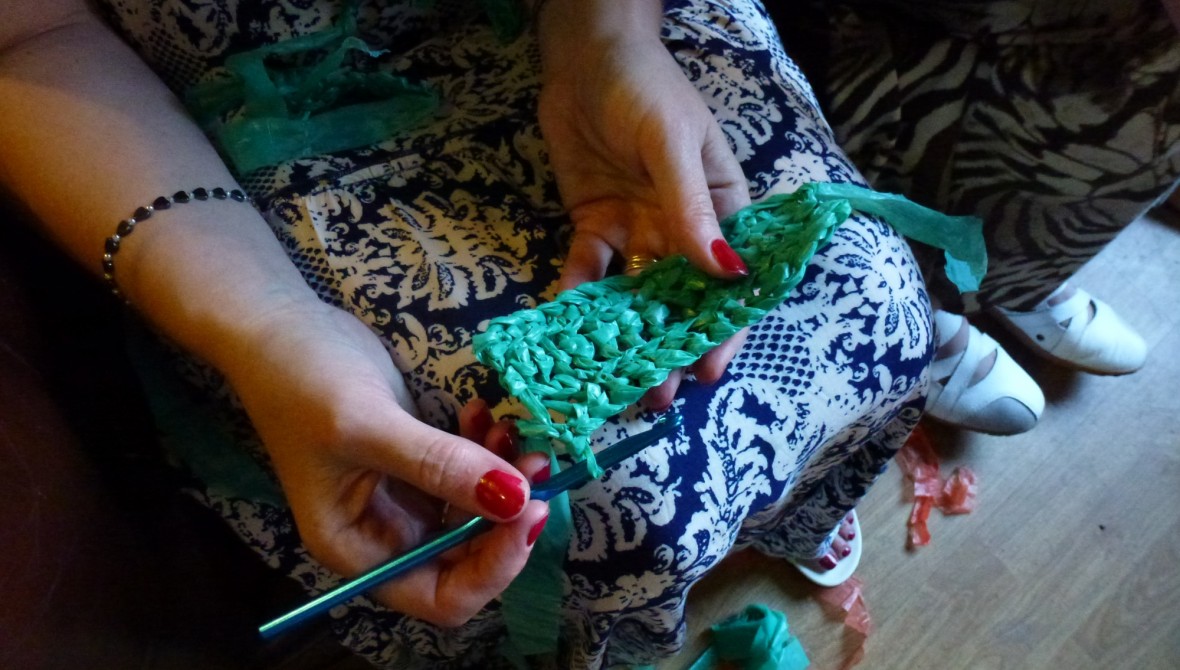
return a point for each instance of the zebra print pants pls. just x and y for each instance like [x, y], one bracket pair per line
[1058, 123]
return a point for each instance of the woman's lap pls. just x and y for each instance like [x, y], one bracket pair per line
[464, 226]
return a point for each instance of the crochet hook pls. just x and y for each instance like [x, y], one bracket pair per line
[572, 477]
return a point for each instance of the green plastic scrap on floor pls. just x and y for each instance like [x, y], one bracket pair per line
[597, 348]
[755, 639]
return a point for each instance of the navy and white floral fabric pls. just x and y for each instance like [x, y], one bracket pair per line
[426, 236]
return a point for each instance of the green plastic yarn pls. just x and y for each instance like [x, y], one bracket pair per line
[757, 638]
[584, 357]
[319, 93]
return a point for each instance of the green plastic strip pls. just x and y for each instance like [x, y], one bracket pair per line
[306, 96]
[192, 432]
[584, 357]
[961, 237]
[531, 605]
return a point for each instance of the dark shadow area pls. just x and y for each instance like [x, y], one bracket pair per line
[106, 563]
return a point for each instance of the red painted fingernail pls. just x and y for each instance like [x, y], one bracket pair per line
[479, 420]
[727, 258]
[510, 443]
[483, 420]
[535, 531]
[500, 493]
[542, 475]
[506, 444]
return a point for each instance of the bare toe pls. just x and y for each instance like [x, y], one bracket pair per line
[847, 529]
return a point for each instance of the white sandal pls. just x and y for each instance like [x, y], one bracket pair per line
[845, 566]
[1066, 334]
[1005, 402]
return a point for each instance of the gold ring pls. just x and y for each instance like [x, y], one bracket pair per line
[637, 263]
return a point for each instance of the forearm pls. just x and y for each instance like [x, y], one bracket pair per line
[87, 134]
[565, 26]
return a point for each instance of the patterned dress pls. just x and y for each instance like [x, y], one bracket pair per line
[427, 235]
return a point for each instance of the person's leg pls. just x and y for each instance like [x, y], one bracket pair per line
[1056, 140]
[1096, 147]
[1056, 143]
[827, 491]
[816, 378]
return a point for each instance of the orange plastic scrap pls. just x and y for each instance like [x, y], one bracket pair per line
[847, 601]
[955, 495]
[958, 495]
[920, 465]
[917, 457]
[919, 533]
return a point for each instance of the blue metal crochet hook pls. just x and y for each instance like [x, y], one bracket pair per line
[571, 478]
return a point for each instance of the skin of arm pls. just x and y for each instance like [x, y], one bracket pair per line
[88, 133]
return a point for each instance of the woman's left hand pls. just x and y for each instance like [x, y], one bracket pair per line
[641, 164]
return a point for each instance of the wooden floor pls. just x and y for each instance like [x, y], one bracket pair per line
[1072, 559]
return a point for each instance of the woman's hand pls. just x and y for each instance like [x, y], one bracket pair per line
[642, 165]
[366, 480]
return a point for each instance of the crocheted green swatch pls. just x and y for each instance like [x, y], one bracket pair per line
[584, 357]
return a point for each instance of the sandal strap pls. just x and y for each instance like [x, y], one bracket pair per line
[1101, 344]
[1075, 310]
[979, 346]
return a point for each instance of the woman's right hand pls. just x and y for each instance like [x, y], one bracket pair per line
[366, 480]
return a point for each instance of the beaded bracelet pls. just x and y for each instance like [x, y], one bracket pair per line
[127, 226]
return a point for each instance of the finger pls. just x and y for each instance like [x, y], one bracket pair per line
[452, 589]
[712, 365]
[475, 419]
[499, 437]
[374, 518]
[660, 397]
[690, 221]
[728, 186]
[458, 568]
[535, 466]
[587, 260]
[503, 440]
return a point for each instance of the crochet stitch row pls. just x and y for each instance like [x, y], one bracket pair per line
[584, 357]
